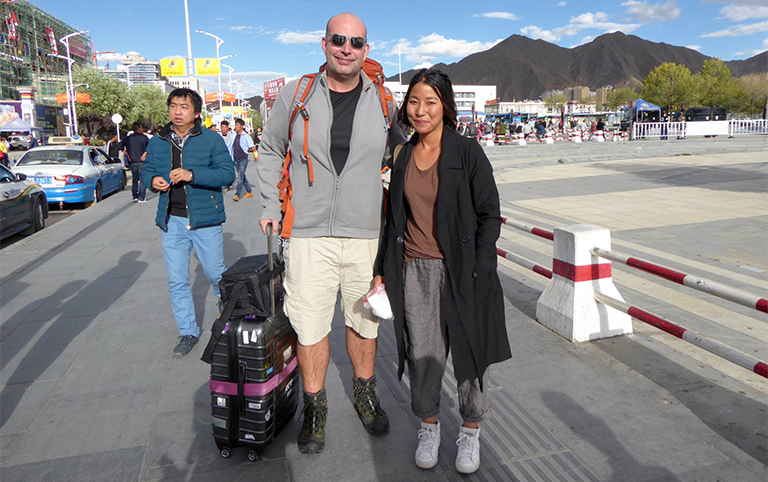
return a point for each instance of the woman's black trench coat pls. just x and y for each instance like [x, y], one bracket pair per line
[468, 221]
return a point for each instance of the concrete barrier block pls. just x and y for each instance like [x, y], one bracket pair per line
[567, 306]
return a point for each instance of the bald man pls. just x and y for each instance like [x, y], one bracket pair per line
[337, 219]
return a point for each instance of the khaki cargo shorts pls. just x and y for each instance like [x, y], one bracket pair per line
[317, 270]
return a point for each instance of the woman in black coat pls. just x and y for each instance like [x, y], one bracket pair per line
[438, 262]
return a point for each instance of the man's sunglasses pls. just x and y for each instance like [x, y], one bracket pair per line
[339, 41]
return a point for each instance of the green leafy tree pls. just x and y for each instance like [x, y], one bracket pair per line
[555, 101]
[716, 86]
[755, 93]
[148, 105]
[621, 97]
[255, 118]
[108, 96]
[670, 86]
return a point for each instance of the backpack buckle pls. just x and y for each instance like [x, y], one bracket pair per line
[303, 110]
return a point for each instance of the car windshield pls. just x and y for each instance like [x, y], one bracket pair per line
[62, 157]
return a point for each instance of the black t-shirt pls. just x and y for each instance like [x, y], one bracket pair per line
[344, 106]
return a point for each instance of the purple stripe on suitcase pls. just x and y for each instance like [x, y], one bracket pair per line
[255, 389]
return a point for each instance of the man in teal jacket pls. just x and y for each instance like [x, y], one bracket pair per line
[188, 166]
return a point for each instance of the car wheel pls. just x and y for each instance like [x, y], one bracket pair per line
[38, 219]
[97, 193]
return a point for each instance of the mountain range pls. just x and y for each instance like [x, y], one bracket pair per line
[523, 68]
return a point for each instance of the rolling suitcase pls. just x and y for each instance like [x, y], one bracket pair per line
[254, 369]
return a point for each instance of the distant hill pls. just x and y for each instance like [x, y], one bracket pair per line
[523, 68]
[255, 101]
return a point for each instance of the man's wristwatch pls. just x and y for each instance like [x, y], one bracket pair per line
[191, 177]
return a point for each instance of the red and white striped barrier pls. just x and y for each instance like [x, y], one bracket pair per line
[599, 137]
[567, 306]
[524, 263]
[731, 294]
[542, 233]
[740, 358]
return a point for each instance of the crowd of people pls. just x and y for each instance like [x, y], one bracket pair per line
[533, 128]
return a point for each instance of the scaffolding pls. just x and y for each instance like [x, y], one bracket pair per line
[24, 61]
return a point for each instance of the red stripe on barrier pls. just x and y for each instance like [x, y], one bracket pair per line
[587, 272]
[762, 305]
[761, 369]
[542, 271]
[657, 270]
[656, 321]
[543, 233]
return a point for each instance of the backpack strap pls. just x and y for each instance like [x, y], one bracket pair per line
[239, 292]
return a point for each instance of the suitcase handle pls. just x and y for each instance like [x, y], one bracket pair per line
[271, 269]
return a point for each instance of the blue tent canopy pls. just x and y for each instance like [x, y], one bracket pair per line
[641, 105]
[17, 125]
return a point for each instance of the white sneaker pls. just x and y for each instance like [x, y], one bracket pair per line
[468, 458]
[429, 444]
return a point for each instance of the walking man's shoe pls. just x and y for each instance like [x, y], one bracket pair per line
[429, 445]
[236, 198]
[250, 194]
[368, 408]
[312, 435]
[186, 343]
[468, 457]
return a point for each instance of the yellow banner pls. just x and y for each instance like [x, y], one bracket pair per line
[172, 67]
[208, 66]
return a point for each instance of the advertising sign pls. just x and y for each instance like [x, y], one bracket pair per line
[272, 87]
[52, 40]
[77, 49]
[208, 66]
[172, 67]
[10, 21]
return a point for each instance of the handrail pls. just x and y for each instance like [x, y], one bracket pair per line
[542, 233]
[524, 263]
[731, 354]
[726, 292]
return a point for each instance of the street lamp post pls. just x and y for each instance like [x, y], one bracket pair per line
[218, 44]
[70, 125]
[65, 41]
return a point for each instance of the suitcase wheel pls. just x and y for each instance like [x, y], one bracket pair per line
[253, 456]
[225, 452]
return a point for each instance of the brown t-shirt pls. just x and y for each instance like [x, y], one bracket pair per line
[420, 240]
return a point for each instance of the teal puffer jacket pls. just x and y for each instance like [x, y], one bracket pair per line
[206, 155]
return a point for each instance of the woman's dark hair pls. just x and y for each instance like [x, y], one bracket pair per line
[440, 82]
[184, 93]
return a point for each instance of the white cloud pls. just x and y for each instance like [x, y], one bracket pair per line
[423, 65]
[598, 21]
[739, 30]
[432, 46]
[646, 13]
[561, 4]
[109, 57]
[693, 47]
[752, 52]
[501, 15]
[297, 38]
[739, 13]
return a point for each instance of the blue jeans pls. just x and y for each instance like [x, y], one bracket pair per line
[242, 181]
[178, 242]
[138, 189]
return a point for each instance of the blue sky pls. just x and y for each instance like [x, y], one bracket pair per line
[282, 38]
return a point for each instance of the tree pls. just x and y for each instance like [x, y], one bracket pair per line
[255, 118]
[716, 86]
[148, 105]
[555, 101]
[620, 97]
[670, 86]
[755, 93]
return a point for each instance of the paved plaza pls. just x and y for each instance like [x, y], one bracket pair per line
[91, 392]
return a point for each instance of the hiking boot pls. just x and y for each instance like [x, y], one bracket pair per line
[468, 457]
[250, 194]
[429, 444]
[312, 435]
[186, 343]
[236, 198]
[368, 408]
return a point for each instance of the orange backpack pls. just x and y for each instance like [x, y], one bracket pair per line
[375, 72]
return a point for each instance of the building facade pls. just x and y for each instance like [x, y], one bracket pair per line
[470, 99]
[29, 41]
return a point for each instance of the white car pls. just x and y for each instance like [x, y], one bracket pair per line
[72, 174]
